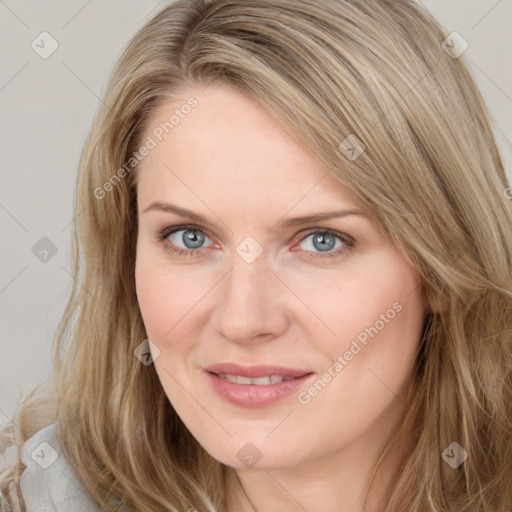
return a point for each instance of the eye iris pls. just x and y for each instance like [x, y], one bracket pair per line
[325, 241]
[195, 238]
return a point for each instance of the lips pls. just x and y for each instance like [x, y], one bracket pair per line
[255, 386]
[255, 372]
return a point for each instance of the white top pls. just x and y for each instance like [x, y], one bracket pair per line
[48, 483]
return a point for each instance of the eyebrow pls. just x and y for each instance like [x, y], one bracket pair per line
[296, 221]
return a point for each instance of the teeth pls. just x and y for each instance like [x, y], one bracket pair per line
[259, 381]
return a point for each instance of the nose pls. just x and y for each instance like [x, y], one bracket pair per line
[252, 303]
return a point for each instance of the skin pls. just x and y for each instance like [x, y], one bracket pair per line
[229, 161]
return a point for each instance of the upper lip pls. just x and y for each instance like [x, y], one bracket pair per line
[255, 371]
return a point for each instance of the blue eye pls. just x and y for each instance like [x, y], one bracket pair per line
[192, 239]
[324, 241]
[321, 241]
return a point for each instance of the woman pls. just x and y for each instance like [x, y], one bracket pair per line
[293, 275]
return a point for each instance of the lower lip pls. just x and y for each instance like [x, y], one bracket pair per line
[252, 395]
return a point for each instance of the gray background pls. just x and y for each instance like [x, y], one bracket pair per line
[47, 107]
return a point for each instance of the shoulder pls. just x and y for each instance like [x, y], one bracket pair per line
[48, 483]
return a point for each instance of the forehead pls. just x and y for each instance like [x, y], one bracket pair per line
[228, 146]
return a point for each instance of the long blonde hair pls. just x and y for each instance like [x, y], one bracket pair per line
[431, 176]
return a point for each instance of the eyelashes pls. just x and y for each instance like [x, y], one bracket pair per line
[343, 241]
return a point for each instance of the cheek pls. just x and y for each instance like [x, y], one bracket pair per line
[369, 361]
[166, 299]
[165, 296]
[153, 295]
[379, 328]
[377, 298]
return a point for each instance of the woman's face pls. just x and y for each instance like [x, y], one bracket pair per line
[280, 340]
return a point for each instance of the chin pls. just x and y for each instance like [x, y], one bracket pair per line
[246, 454]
